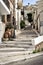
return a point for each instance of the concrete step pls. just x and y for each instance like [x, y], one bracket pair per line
[5, 52]
[20, 43]
[8, 49]
[27, 36]
[23, 39]
[23, 43]
[16, 45]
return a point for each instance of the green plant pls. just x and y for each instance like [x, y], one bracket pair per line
[34, 51]
[22, 24]
[38, 50]
[41, 49]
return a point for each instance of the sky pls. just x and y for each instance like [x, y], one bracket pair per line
[29, 1]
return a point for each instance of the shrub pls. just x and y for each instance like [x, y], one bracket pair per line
[42, 49]
[22, 24]
[38, 50]
[34, 51]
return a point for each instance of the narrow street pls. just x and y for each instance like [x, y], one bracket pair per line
[33, 61]
[20, 46]
[28, 32]
[21, 32]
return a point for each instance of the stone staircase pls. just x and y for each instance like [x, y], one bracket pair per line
[17, 45]
[22, 45]
[14, 50]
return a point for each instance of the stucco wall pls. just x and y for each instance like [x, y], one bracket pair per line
[39, 46]
[2, 30]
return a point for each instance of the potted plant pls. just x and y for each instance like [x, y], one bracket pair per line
[22, 24]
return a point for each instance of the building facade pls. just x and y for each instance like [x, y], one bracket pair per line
[4, 10]
[8, 18]
[13, 16]
[40, 15]
[30, 9]
[18, 7]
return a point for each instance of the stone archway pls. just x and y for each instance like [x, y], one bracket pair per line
[30, 19]
[41, 22]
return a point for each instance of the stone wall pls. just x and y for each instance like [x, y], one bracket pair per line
[39, 46]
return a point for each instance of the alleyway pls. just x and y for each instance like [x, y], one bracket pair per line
[28, 32]
[22, 45]
[18, 35]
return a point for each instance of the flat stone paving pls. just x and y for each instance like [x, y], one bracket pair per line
[24, 36]
[27, 34]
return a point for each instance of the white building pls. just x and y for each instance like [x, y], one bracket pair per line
[30, 9]
[40, 15]
[3, 11]
[18, 6]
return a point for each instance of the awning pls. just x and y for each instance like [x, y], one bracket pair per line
[3, 8]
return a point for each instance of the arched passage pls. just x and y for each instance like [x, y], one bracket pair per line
[30, 19]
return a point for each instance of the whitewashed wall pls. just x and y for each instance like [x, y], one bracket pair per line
[2, 29]
[37, 40]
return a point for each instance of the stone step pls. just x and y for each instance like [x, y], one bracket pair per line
[21, 40]
[9, 54]
[15, 49]
[17, 45]
[27, 35]
[23, 43]
[8, 49]
[6, 52]
[17, 42]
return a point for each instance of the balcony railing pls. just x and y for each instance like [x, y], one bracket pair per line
[7, 3]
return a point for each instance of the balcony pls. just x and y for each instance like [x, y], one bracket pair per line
[7, 3]
[4, 9]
